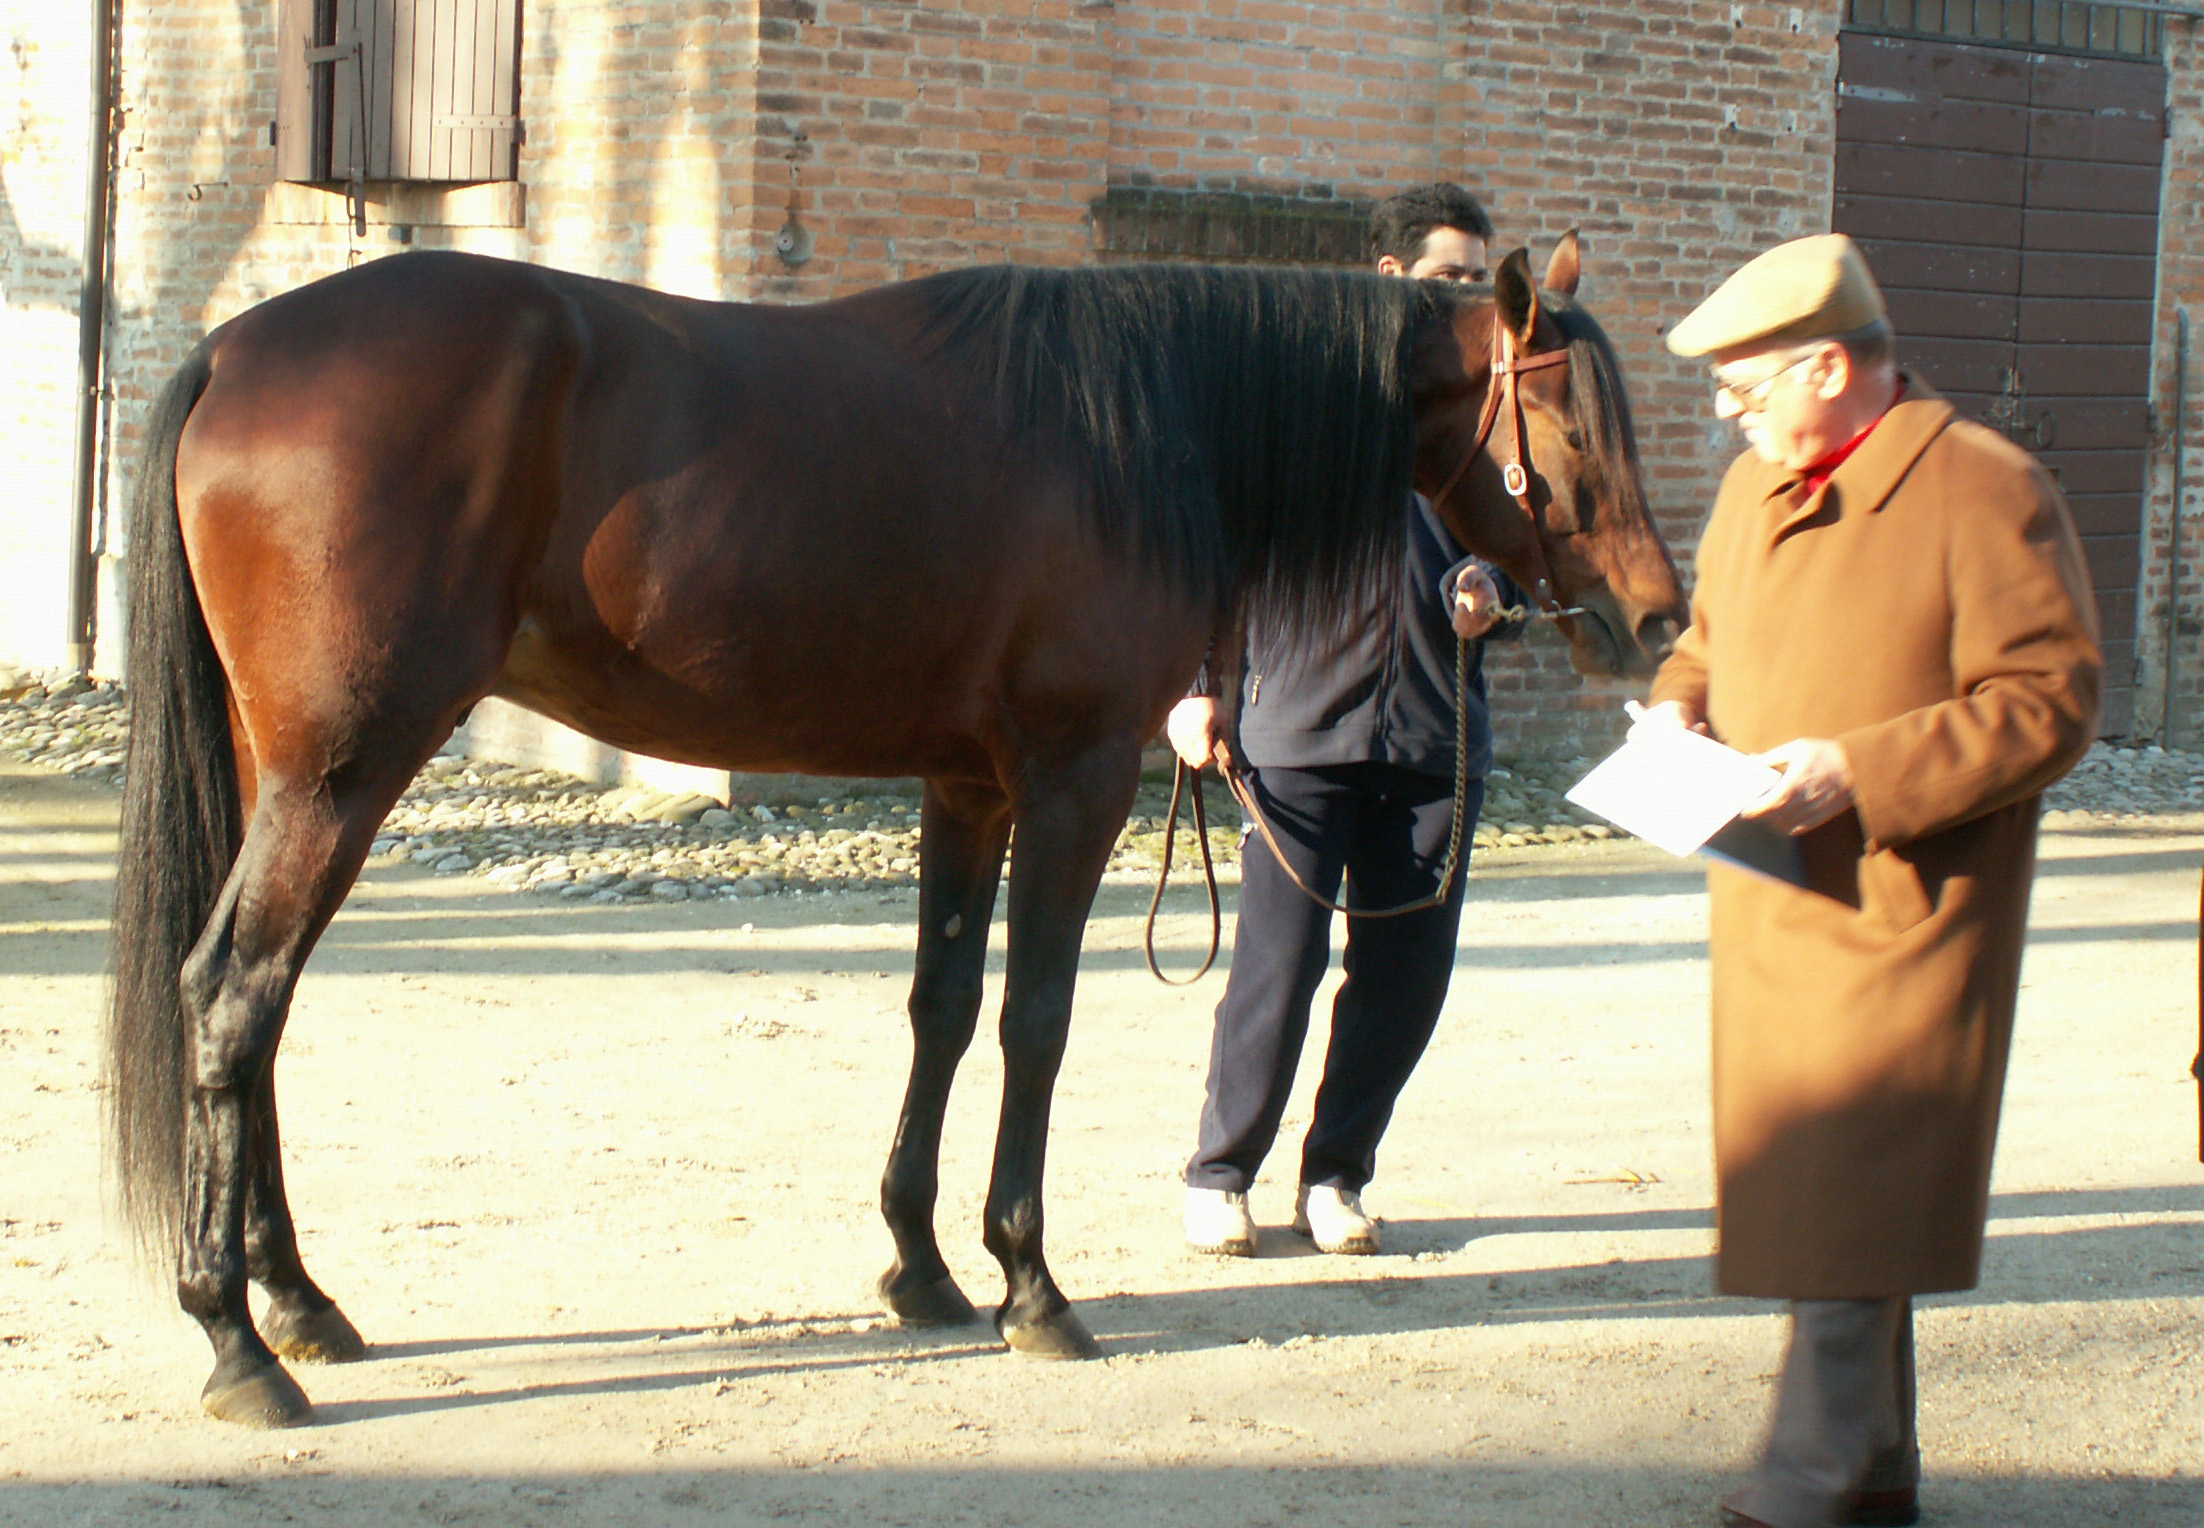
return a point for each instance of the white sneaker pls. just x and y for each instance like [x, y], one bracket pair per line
[1217, 1221]
[1333, 1218]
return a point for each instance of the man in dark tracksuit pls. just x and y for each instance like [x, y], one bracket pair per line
[1350, 748]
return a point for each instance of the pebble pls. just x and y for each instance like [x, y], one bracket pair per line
[540, 833]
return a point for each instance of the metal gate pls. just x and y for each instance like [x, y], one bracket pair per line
[2008, 201]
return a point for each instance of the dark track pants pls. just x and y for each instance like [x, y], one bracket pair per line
[1386, 829]
[1843, 1414]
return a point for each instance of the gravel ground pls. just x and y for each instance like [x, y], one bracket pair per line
[550, 834]
[599, 1184]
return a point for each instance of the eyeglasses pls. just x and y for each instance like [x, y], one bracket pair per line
[1753, 396]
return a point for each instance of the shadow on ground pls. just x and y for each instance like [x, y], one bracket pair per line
[1466, 1492]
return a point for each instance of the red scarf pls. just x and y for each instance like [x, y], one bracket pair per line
[1816, 477]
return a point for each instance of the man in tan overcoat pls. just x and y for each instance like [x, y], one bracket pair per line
[1892, 610]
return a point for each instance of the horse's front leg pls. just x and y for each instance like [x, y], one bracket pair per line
[1068, 820]
[962, 831]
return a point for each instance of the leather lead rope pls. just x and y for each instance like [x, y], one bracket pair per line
[1208, 872]
[1246, 797]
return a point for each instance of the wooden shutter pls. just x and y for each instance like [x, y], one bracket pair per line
[302, 90]
[406, 90]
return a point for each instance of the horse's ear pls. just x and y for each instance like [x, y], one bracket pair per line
[1518, 299]
[1566, 266]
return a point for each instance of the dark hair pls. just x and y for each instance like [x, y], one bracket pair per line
[1400, 223]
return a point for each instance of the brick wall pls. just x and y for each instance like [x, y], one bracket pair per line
[1682, 138]
[1279, 94]
[669, 140]
[916, 138]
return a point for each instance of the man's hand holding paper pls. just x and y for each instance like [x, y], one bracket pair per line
[1672, 785]
[1816, 785]
[1815, 778]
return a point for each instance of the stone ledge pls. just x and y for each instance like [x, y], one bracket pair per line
[1229, 227]
[486, 204]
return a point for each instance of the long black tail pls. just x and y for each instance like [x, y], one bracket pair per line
[181, 823]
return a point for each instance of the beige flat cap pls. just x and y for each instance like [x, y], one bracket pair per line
[1808, 289]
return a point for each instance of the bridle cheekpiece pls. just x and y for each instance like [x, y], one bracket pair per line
[1504, 396]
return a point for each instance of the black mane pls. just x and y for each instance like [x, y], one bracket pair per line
[1601, 406]
[1248, 430]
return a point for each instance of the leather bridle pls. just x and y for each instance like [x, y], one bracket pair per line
[1504, 397]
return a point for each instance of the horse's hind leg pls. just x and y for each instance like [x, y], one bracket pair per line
[962, 832]
[300, 1322]
[305, 844]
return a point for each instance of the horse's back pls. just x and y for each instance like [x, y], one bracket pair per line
[751, 536]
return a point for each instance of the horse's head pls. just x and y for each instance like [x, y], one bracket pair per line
[1526, 380]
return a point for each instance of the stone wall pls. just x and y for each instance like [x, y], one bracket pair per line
[43, 137]
[2170, 603]
[674, 142]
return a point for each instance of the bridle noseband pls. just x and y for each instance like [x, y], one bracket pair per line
[1504, 396]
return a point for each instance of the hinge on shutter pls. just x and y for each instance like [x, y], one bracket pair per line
[346, 45]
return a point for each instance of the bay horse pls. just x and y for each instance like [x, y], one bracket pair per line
[977, 527]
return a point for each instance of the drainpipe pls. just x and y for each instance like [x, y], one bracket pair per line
[2173, 537]
[92, 341]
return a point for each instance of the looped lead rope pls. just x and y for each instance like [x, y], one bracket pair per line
[1208, 872]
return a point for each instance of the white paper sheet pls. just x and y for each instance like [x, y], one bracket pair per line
[1672, 787]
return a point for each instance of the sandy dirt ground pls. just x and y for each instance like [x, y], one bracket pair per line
[598, 1185]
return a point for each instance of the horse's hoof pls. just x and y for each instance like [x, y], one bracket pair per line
[940, 1303]
[318, 1337]
[264, 1398]
[1062, 1335]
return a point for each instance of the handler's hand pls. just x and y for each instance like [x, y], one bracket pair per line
[1816, 785]
[1669, 713]
[1196, 731]
[1476, 603]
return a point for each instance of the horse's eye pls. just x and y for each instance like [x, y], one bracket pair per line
[1576, 440]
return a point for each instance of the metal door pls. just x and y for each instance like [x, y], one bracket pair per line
[2008, 201]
